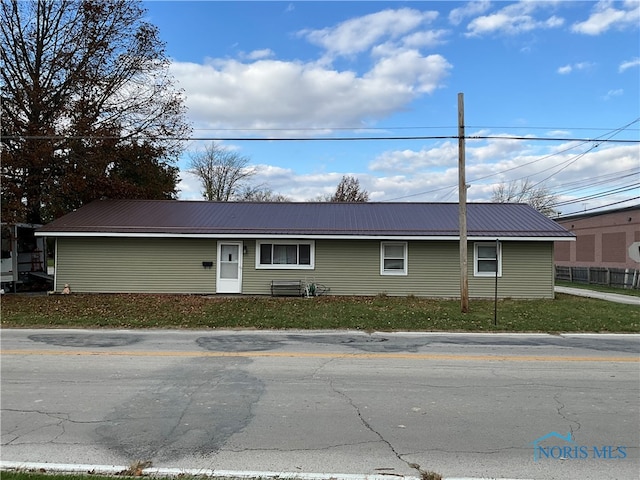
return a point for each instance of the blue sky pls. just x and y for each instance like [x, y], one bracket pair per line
[323, 70]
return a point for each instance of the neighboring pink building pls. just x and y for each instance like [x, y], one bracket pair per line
[604, 240]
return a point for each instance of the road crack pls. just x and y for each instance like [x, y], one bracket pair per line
[560, 412]
[319, 368]
[426, 475]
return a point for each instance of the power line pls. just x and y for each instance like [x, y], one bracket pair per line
[617, 176]
[391, 128]
[601, 206]
[595, 181]
[580, 141]
[320, 139]
[606, 193]
[596, 145]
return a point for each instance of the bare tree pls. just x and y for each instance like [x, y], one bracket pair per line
[223, 173]
[260, 194]
[525, 191]
[85, 85]
[348, 190]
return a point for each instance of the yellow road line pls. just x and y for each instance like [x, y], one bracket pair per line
[365, 356]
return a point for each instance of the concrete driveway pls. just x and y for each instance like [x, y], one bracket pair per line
[611, 297]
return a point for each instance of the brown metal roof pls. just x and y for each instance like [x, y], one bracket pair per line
[153, 217]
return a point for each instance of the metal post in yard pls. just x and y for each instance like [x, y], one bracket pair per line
[495, 302]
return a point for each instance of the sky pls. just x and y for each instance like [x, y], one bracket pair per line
[311, 91]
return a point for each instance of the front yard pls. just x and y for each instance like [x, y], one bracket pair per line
[381, 313]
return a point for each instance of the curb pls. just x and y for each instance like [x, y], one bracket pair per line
[86, 469]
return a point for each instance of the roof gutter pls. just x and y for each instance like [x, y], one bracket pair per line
[529, 238]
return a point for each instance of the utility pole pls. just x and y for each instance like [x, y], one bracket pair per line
[462, 209]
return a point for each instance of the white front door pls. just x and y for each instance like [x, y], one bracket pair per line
[229, 271]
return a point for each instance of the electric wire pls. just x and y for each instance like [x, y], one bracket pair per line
[570, 161]
[629, 172]
[599, 207]
[606, 193]
[391, 128]
[610, 134]
[565, 191]
[315, 139]
[596, 145]
[597, 141]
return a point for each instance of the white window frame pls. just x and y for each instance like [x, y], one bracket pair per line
[405, 258]
[477, 259]
[284, 266]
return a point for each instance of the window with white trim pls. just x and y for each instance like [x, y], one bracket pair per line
[393, 258]
[486, 258]
[285, 254]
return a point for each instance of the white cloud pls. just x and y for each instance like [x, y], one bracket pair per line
[189, 187]
[411, 161]
[614, 93]
[496, 150]
[259, 91]
[566, 69]
[259, 54]
[605, 15]
[513, 19]
[430, 174]
[407, 72]
[471, 9]
[360, 34]
[256, 91]
[425, 39]
[272, 94]
[558, 133]
[635, 62]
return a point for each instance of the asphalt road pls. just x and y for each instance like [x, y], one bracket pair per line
[506, 406]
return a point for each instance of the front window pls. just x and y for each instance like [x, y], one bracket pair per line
[487, 259]
[393, 258]
[285, 254]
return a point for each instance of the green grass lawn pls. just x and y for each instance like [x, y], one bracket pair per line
[46, 476]
[564, 314]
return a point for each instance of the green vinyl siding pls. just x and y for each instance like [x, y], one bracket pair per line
[135, 265]
[345, 267]
[527, 272]
[352, 267]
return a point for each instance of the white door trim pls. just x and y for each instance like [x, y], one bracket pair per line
[229, 283]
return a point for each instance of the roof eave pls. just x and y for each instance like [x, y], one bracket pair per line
[315, 236]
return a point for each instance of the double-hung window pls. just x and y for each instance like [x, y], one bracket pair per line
[285, 254]
[393, 258]
[487, 259]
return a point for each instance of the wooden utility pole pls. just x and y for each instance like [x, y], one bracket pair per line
[462, 209]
